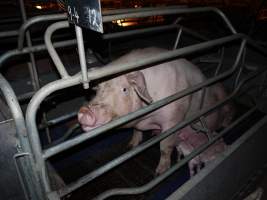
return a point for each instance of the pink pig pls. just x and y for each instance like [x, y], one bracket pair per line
[130, 92]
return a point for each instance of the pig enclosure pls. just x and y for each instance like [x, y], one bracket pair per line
[53, 157]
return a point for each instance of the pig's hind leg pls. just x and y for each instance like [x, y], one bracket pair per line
[166, 147]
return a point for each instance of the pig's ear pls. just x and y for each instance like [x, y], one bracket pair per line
[137, 80]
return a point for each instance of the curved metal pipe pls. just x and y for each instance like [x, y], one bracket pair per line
[35, 20]
[51, 50]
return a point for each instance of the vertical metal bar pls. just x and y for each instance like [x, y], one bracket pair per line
[32, 66]
[177, 38]
[22, 182]
[219, 66]
[79, 35]
[241, 68]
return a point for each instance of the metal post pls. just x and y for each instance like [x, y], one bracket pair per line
[32, 66]
[79, 36]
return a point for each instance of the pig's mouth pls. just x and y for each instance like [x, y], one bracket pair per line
[91, 117]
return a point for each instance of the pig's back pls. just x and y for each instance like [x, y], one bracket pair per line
[167, 78]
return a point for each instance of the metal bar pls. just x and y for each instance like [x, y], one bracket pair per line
[109, 36]
[37, 48]
[32, 66]
[157, 180]
[219, 66]
[131, 10]
[129, 14]
[8, 34]
[178, 38]
[154, 140]
[102, 72]
[51, 50]
[58, 120]
[170, 12]
[21, 179]
[79, 37]
[35, 20]
[28, 167]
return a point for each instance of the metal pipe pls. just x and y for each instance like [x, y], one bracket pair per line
[157, 180]
[8, 34]
[24, 145]
[109, 36]
[35, 20]
[79, 37]
[156, 139]
[4, 57]
[177, 38]
[32, 65]
[58, 120]
[219, 66]
[102, 72]
[131, 10]
[51, 50]
[171, 12]
[122, 16]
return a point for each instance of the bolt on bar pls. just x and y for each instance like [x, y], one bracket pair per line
[63, 83]
[156, 139]
[51, 50]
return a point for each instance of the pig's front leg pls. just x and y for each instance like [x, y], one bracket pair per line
[136, 138]
[166, 147]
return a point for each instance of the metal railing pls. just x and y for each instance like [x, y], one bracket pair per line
[40, 155]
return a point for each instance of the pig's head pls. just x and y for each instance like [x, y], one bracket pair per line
[115, 98]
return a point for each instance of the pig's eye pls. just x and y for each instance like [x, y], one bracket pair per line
[125, 90]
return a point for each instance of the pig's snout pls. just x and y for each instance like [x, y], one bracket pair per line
[86, 117]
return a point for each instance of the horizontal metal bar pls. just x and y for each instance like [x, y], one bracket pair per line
[171, 12]
[36, 48]
[34, 20]
[58, 120]
[137, 10]
[157, 180]
[8, 34]
[25, 96]
[51, 50]
[109, 36]
[116, 69]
